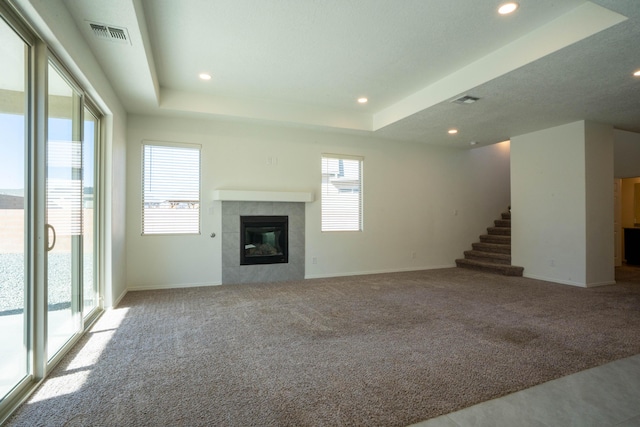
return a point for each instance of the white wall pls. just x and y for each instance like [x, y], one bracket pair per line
[412, 193]
[626, 154]
[562, 204]
[55, 25]
[599, 204]
[548, 199]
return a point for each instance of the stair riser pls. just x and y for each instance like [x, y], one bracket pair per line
[499, 231]
[488, 259]
[493, 253]
[498, 269]
[503, 240]
[504, 249]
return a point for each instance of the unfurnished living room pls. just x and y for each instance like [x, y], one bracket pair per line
[320, 213]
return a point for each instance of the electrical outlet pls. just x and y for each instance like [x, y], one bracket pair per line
[413, 255]
[314, 260]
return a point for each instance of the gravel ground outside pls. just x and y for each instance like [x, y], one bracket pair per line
[12, 276]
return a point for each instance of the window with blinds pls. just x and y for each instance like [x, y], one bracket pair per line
[170, 188]
[341, 193]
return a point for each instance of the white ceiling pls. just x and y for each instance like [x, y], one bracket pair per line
[305, 63]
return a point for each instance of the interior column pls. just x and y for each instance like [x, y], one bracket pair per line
[562, 204]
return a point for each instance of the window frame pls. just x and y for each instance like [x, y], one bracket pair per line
[326, 199]
[177, 145]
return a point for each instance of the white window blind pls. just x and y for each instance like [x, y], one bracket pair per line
[170, 188]
[64, 187]
[341, 193]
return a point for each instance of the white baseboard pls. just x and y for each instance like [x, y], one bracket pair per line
[315, 276]
[568, 282]
[595, 285]
[363, 273]
[117, 301]
[554, 280]
[170, 286]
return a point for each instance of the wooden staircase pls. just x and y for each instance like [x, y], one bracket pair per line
[493, 252]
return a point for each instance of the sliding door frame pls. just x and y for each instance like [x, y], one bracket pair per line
[36, 133]
[98, 214]
[23, 387]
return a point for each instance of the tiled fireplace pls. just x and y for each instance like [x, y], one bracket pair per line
[232, 271]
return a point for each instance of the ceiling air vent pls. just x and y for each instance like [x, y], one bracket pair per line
[118, 33]
[110, 33]
[467, 99]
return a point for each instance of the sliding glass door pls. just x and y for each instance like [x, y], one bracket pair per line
[14, 366]
[49, 204]
[64, 212]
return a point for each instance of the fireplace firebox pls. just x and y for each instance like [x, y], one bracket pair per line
[264, 240]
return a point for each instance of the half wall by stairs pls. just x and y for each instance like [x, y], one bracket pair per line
[493, 252]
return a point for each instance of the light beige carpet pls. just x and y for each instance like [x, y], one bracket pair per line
[379, 350]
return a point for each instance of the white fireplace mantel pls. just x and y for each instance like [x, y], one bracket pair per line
[263, 196]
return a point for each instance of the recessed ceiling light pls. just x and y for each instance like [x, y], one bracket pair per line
[363, 100]
[452, 131]
[507, 8]
[637, 73]
[205, 76]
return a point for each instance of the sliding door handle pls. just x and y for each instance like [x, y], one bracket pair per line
[53, 244]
